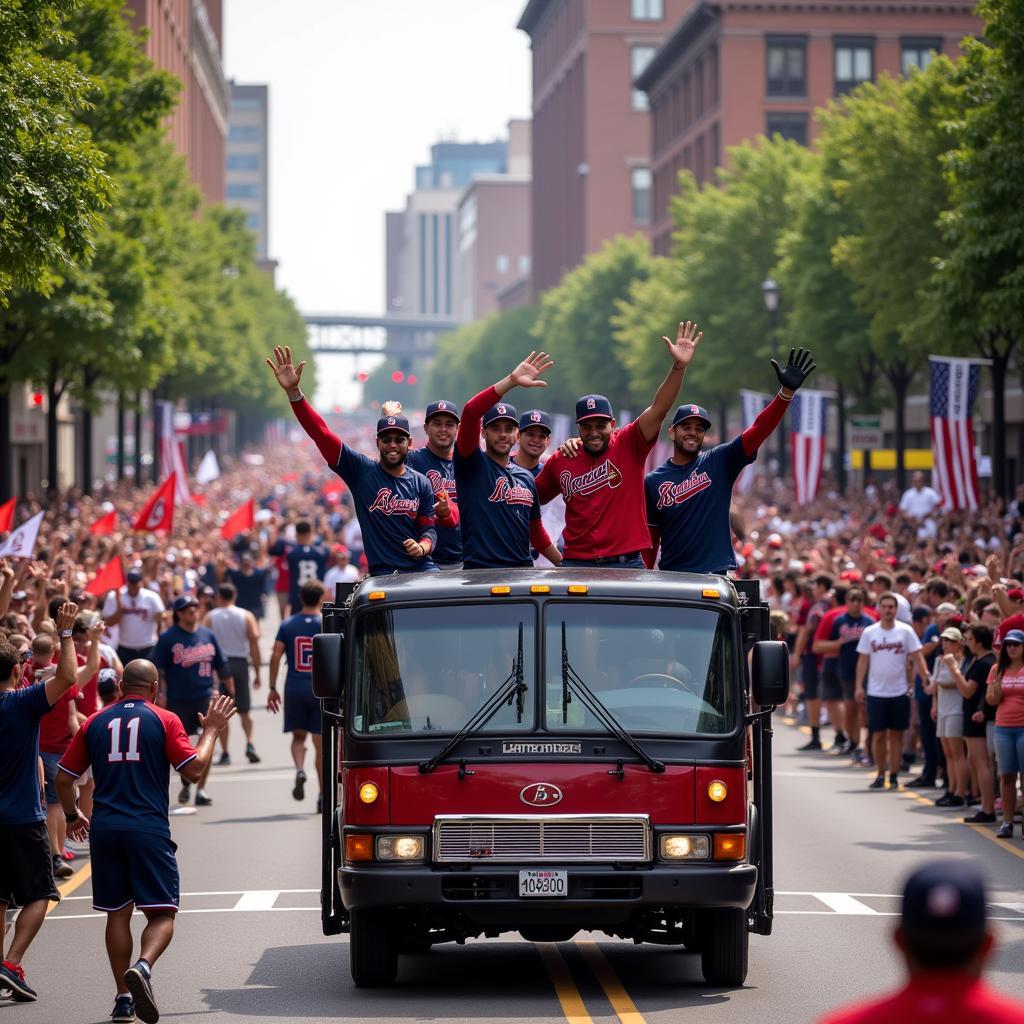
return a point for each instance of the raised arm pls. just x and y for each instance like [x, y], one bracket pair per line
[681, 350]
[67, 667]
[798, 368]
[289, 376]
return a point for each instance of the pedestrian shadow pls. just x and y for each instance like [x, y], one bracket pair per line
[264, 819]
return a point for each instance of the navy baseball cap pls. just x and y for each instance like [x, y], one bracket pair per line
[535, 418]
[1014, 636]
[106, 682]
[133, 575]
[450, 408]
[944, 909]
[686, 412]
[501, 411]
[185, 601]
[593, 406]
[399, 422]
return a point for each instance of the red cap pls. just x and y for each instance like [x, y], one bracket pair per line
[764, 569]
[808, 567]
[747, 550]
[1016, 594]
[893, 561]
[877, 530]
[340, 549]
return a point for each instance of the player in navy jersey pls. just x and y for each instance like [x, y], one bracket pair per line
[306, 559]
[394, 504]
[534, 439]
[688, 497]
[294, 642]
[434, 461]
[131, 745]
[187, 657]
[498, 501]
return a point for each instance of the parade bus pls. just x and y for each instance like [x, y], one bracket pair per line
[547, 751]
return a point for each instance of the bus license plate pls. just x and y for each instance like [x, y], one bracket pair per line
[543, 883]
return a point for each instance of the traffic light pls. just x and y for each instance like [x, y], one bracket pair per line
[398, 376]
[362, 376]
[411, 380]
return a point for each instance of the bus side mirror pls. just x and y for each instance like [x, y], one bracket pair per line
[769, 672]
[328, 662]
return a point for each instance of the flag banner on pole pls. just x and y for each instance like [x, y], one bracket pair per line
[159, 511]
[954, 388]
[105, 525]
[22, 543]
[172, 456]
[751, 404]
[809, 412]
[208, 470]
[240, 521]
[7, 515]
[110, 577]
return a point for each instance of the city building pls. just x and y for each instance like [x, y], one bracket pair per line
[734, 70]
[591, 127]
[247, 177]
[185, 38]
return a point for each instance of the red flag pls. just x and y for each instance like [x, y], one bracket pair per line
[105, 524]
[7, 516]
[159, 511]
[110, 577]
[198, 499]
[239, 521]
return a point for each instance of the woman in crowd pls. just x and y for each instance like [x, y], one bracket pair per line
[1006, 695]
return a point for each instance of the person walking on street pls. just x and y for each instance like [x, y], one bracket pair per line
[26, 861]
[137, 613]
[1005, 692]
[130, 746]
[238, 634]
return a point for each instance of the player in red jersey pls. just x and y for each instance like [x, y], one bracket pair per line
[600, 475]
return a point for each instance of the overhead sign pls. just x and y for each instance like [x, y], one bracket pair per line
[865, 433]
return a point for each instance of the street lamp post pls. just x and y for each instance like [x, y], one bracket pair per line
[770, 292]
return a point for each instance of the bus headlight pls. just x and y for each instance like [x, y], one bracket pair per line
[684, 847]
[407, 848]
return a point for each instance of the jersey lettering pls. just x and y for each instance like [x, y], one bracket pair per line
[303, 654]
[132, 728]
[511, 494]
[440, 483]
[670, 494]
[392, 505]
[605, 475]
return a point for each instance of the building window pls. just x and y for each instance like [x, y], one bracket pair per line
[524, 265]
[715, 154]
[713, 77]
[244, 133]
[788, 125]
[253, 221]
[787, 66]
[639, 58]
[647, 10]
[698, 81]
[918, 53]
[855, 60]
[641, 181]
[501, 264]
[243, 162]
[700, 168]
[243, 191]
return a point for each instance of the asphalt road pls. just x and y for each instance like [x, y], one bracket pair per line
[248, 944]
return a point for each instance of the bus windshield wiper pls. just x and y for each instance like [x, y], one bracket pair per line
[512, 689]
[572, 683]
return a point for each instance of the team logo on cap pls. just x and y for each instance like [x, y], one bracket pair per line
[502, 409]
[591, 404]
[441, 406]
[694, 410]
[535, 416]
[392, 421]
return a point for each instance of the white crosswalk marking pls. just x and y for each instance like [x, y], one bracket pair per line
[257, 899]
[843, 903]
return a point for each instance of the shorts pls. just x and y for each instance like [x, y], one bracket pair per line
[126, 654]
[240, 677]
[26, 865]
[50, 762]
[809, 676]
[974, 730]
[888, 713]
[301, 712]
[831, 686]
[188, 712]
[133, 867]
[1010, 749]
[950, 727]
[848, 688]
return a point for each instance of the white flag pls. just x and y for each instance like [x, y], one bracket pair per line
[751, 404]
[22, 543]
[208, 470]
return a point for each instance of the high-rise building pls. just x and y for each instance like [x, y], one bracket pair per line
[591, 128]
[247, 171]
[732, 70]
[184, 37]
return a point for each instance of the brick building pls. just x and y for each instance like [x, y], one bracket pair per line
[734, 70]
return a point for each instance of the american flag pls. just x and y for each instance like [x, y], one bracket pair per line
[808, 411]
[751, 404]
[172, 454]
[954, 387]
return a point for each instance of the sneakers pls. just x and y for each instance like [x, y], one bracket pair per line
[225, 758]
[320, 804]
[980, 818]
[137, 980]
[60, 869]
[202, 800]
[950, 800]
[811, 744]
[123, 1011]
[299, 789]
[922, 782]
[839, 744]
[894, 781]
[12, 976]
[186, 792]
[1005, 831]
[879, 782]
[250, 753]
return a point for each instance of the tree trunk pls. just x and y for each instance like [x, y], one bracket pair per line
[1000, 362]
[120, 436]
[899, 380]
[137, 452]
[87, 467]
[841, 438]
[7, 462]
[156, 433]
[52, 398]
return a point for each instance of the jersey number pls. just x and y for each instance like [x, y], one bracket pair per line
[306, 570]
[132, 728]
[303, 654]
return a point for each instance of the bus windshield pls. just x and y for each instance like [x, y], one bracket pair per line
[429, 669]
[656, 668]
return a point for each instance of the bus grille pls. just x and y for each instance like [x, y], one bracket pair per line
[526, 839]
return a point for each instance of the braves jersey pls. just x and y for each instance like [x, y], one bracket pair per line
[131, 747]
[847, 629]
[390, 509]
[690, 506]
[188, 661]
[603, 494]
[296, 633]
[440, 473]
[306, 562]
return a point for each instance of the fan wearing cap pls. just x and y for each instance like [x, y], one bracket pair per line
[1011, 607]
[1005, 692]
[137, 613]
[498, 501]
[434, 461]
[600, 474]
[945, 942]
[688, 497]
[394, 504]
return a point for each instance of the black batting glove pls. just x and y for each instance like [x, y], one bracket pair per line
[798, 368]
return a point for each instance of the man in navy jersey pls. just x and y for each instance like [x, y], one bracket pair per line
[440, 423]
[294, 641]
[394, 504]
[688, 497]
[306, 559]
[498, 500]
[131, 745]
[187, 656]
[26, 865]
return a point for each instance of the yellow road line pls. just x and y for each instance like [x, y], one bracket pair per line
[623, 1006]
[1001, 843]
[80, 877]
[565, 988]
